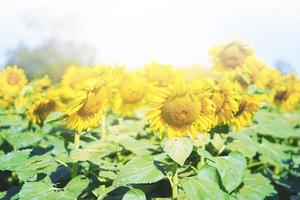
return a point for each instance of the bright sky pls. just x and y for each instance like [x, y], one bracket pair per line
[134, 32]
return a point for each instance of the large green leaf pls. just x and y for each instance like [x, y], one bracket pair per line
[22, 139]
[44, 190]
[142, 169]
[274, 124]
[273, 153]
[231, 169]
[26, 166]
[179, 149]
[134, 194]
[244, 144]
[204, 186]
[94, 151]
[138, 147]
[255, 187]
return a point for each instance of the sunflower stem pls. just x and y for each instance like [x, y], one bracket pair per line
[103, 127]
[175, 182]
[202, 159]
[75, 160]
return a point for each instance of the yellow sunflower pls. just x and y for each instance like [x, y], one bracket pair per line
[131, 95]
[228, 58]
[44, 82]
[88, 109]
[75, 76]
[160, 75]
[287, 94]
[179, 111]
[12, 80]
[248, 106]
[39, 111]
[226, 98]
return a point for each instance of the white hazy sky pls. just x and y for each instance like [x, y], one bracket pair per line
[134, 32]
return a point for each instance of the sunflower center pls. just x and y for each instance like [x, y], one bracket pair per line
[181, 110]
[13, 78]
[232, 56]
[131, 94]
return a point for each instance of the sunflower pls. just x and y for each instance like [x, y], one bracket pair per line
[44, 82]
[88, 109]
[131, 95]
[75, 76]
[179, 111]
[229, 58]
[160, 75]
[39, 111]
[226, 98]
[12, 80]
[287, 94]
[248, 106]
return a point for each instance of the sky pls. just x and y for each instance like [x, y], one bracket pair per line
[134, 32]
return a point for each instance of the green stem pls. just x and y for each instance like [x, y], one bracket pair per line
[255, 164]
[175, 182]
[202, 159]
[103, 127]
[75, 160]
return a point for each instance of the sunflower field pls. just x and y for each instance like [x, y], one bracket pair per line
[156, 133]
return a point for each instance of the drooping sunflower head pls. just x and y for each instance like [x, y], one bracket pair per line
[39, 111]
[131, 95]
[230, 56]
[178, 111]
[226, 97]
[248, 106]
[12, 79]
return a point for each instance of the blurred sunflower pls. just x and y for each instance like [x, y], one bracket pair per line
[287, 94]
[74, 76]
[12, 80]
[248, 106]
[160, 75]
[131, 95]
[226, 98]
[39, 111]
[228, 58]
[44, 82]
[179, 111]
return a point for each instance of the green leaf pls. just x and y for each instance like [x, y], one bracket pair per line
[274, 124]
[94, 151]
[204, 186]
[26, 166]
[134, 194]
[255, 187]
[54, 117]
[296, 160]
[179, 149]
[22, 139]
[231, 169]
[137, 147]
[44, 190]
[273, 153]
[243, 144]
[142, 169]
[204, 153]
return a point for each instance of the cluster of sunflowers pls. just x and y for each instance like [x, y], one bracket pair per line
[176, 101]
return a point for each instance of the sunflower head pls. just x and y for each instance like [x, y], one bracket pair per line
[180, 111]
[12, 79]
[44, 82]
[74, 76]
[39, 111]
[160, 75]
[226, 97]
[131, 94]
[229, 57]
[248, 106]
